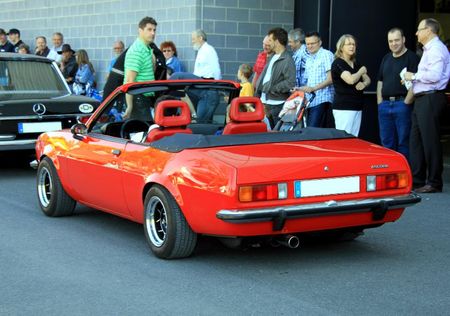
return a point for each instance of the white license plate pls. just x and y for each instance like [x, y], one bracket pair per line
[39, 127]
[307, 188]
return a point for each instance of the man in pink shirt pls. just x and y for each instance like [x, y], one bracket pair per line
[429, 83]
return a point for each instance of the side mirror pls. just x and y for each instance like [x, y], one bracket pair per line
[79, 130]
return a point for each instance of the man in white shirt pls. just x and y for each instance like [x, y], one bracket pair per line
[207, 61]
[207, 67]
[58, 41]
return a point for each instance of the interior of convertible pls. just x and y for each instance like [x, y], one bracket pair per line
[185, 109]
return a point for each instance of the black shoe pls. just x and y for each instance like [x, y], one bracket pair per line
[428, 189]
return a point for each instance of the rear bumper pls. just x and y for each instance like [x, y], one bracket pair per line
[278, 215]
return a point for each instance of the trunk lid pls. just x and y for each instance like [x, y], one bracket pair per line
[308, 160]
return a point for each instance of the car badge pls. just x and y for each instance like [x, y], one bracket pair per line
[86, 108]
[379, 166]
[39, 109]
[326, 169]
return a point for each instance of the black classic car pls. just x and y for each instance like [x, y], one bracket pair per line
[35, 98]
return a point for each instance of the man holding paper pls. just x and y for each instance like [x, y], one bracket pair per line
[429, 83]
[394, 95]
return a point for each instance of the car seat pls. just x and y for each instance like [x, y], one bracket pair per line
[171, 117]
[244, 122]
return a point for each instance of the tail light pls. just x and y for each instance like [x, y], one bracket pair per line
[263, 192]
[387, 182]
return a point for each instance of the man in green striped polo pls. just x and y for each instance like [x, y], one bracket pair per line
[139, 67]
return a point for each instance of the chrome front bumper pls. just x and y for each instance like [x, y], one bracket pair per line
[278, 215]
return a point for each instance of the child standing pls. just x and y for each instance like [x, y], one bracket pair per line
[243, 75]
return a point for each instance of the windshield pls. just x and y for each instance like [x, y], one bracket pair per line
[20, 79]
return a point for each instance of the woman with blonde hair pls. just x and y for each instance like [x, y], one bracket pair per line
[349, 80]
[85, 74]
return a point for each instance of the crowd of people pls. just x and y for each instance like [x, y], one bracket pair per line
[75, 66]
[410, 90]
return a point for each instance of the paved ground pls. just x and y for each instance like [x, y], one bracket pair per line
[94, 263]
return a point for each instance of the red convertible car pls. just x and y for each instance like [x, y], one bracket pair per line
[186, 174]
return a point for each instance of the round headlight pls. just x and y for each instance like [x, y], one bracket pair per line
[86, 108]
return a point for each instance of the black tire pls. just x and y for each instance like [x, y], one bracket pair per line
[166, 229]
[52, 198]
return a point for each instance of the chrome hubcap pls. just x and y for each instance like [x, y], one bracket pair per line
[45, 187]
[156, 221]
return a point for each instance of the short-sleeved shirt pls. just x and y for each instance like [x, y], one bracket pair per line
[316, 71]
[346, 96]
[139, 58]
[246, 90]
[389, 73]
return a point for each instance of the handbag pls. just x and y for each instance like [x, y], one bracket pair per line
[79, 88]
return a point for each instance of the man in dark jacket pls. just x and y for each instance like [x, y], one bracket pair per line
[5, 45]
[14, 39]
[278, 76]
[115, 77]
[69, 65]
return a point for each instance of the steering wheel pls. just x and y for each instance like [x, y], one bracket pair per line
[133, 126]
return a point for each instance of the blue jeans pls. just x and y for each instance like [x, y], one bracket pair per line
[316, 115]
[205, 101]
[394, 118]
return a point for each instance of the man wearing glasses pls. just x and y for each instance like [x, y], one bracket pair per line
[429, 83]
[318, 80]
[118, 48]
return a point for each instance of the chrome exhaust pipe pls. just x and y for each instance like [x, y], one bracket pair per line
[289, 241]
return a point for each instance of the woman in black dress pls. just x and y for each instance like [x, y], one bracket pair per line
[349, 80]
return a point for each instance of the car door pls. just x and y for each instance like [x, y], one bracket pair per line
[94, 171]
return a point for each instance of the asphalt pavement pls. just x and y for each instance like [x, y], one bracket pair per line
[94, 263]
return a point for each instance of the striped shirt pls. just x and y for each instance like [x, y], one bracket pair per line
[139, 58]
